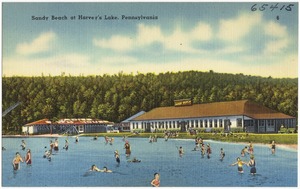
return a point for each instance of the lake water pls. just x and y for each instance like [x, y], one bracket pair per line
[70, 168]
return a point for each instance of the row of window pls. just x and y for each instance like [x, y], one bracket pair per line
[206, 123]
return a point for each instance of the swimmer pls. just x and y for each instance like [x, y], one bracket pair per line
[155, 182]
[150, 139]
[244, 151]
[117, 156]
[76, 139]
[16, 161]
[66, 147]
[47, 155]
[134, 160]
[105, 170]
[208, 151]
[240, 164]
[222, 154]
[203, 150]
[251, 164]
[111, 141]
[95, 168]
[23, 145]
[56, 145]
[127, 149]
[181, 152]
[273, 146]
[3, 148]
[28, 157]
[95, 137]
[251, 148]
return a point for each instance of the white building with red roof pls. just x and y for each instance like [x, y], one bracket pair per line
[243, 115]
[74, 125]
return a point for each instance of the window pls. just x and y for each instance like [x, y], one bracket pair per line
[201, 123]
[239, 122]
[210, 123]
[197, 125]
[220, 123]
[205, 123]
[192, 123]
[216, 123]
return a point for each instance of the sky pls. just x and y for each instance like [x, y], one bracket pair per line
[248, 38]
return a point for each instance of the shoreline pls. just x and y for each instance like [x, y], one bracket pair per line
[286, 146]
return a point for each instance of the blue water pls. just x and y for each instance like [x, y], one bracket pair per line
[70, 168]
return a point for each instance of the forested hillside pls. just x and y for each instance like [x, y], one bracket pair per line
[117, 97]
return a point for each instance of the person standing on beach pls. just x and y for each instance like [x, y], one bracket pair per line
[273, 146]
[155, 182]
[16, 161]
[28, 157]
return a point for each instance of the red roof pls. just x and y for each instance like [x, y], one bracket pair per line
[74, 121]
[40, 122]
[216, 109]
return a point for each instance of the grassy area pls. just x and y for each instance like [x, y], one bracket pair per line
[236, 137]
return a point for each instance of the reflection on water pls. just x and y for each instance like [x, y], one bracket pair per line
[71, 167]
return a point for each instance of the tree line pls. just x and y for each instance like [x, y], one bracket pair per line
[117, 97]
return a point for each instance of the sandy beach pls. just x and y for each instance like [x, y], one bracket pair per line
[288, 146]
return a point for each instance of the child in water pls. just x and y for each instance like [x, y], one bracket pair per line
[155, 182]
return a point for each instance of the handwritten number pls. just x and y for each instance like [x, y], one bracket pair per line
[253, 8]
[289, 8]
[262, 8]
[272, 7]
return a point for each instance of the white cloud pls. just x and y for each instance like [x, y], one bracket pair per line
[118, 43]
[235, 29]
[275, 29]
[202, 32]
[281, 40]
[40, 44]
[276, 46]
[147, 35]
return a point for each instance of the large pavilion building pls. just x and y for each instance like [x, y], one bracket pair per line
[243, 114]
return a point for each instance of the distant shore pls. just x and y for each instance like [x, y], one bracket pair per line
[287, 146]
